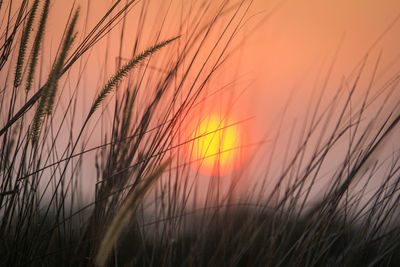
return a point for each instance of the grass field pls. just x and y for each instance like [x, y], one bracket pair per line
[123, 144]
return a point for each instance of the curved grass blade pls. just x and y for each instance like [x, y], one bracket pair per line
[125, 213]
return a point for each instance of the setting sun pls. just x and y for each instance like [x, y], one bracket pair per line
[216, 146]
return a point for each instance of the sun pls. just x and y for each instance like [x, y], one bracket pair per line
[215, 147]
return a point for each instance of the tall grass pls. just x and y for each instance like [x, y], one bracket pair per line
[150, 206]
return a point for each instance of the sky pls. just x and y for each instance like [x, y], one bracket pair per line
[295, 43]
[299, 38]
[287, 50]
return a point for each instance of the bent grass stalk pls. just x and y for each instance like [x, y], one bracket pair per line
[126, 212]
[124, 70]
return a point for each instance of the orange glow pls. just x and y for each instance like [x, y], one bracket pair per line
[216, 146]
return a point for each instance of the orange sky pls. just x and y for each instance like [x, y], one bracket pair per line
[289, 48]
[299, 34]
[285, 54]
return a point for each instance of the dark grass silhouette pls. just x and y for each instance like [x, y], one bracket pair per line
[141, 214]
